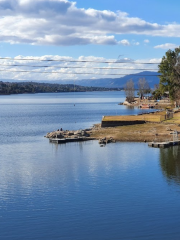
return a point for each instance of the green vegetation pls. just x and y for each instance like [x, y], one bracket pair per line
[170, 75]
[32, 87]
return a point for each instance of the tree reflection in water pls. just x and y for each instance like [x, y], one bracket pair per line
[170, 163]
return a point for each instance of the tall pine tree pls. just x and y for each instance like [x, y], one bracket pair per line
[170, 73]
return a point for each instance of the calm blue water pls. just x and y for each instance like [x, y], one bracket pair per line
[80, 191]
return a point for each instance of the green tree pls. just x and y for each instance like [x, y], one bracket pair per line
[169, 68]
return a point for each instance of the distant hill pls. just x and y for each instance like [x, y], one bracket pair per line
[151, 78]
[35, 87]
[120, 82]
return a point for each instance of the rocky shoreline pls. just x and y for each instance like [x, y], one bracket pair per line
[146, 132]
[63, 136]
[60, 134]
[153, 103]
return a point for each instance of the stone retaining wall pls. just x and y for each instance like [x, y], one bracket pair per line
[105, 124]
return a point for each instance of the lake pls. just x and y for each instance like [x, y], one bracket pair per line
[80, 191]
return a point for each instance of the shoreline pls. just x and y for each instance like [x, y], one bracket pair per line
[147, 132]
[153, 104]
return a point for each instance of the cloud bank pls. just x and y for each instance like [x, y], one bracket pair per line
[60, 22]
[66, 67]
[167, 46]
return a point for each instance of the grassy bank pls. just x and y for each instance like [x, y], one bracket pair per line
[161, 131]
[151, 117]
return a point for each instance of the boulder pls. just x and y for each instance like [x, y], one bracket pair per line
[59, 136]
[70, 133]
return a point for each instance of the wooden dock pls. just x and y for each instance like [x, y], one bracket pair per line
[163, 144]
[66, 140]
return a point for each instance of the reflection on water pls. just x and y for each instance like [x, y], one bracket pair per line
[80, 191]
[170, 163]
[97, 193]
[130, 107]
[29, 165]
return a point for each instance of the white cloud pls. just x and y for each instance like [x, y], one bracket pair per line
[146, 41]
[60, 22]
[167, 46]
[136, 43]
[124, 42]
[66, 67]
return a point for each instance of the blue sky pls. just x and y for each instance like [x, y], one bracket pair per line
[140, 30]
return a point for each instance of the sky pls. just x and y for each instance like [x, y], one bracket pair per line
[94, 31]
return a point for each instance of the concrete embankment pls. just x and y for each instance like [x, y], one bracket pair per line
[105, 124]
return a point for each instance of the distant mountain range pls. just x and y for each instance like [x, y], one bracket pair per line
[151, 78]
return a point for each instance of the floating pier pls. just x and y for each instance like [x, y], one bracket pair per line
[163, 144]
[66, 140]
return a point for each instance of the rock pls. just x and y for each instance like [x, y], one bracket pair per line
[70, 133]
[87, 129]
[85, 134]
[51, 135]
[102, 145]
[102, 141]
[79, 132]
[106, 141]
[126, 103]
[59, 136]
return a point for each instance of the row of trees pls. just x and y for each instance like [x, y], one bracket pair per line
[34, 87]
[169, 70]
[143, 88]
